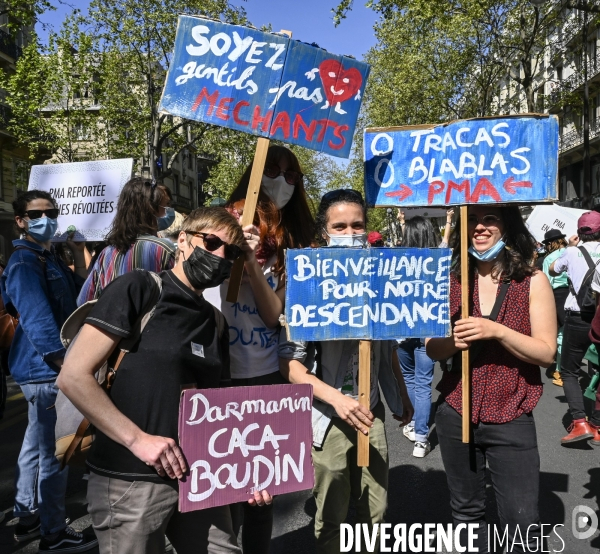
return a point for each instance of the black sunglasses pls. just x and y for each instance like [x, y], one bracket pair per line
[51, 213]
[291, 177]
[333, 195]
[213, 242]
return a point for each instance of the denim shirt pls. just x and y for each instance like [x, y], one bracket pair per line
[332, 373]
[43, 294]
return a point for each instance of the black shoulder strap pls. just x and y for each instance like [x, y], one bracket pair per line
[504, 286]
[588, 258]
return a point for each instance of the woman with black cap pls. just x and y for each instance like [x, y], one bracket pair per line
[555, 244]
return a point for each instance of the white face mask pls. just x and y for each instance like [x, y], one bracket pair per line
[277, 190]
[358, 239]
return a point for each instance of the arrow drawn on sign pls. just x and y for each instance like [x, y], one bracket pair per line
[401, 194]
[510, 185]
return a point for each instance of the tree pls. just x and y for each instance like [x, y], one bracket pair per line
[23, 13]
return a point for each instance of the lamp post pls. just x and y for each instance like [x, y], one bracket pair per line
[584, 7]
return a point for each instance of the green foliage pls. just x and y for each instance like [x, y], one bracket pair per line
[23, 13]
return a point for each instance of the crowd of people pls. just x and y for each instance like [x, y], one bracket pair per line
[177, 284]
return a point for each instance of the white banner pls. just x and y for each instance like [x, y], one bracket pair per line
[86, 193]
[544, 218]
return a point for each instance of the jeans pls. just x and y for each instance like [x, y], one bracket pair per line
[511, 452]
[574, 346]
[417, 368]
[40, 485]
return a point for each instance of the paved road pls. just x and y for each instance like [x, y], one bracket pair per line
[418, 491]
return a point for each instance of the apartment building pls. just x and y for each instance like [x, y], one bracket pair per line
[559, 89]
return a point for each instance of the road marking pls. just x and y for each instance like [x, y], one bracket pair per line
[15, 397]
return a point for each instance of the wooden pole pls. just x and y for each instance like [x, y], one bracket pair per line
[464, 281]
[258, 166]
[364, 396]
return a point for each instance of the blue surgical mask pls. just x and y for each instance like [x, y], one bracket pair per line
[490, 254]
[166, 220]
[357, 239]
[42, 229]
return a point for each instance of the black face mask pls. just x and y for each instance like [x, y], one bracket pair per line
[205, 270]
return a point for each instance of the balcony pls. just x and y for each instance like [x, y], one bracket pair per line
[8, 46]
[574, 138]
[574, 81]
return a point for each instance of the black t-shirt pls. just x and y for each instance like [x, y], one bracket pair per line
[179, 348]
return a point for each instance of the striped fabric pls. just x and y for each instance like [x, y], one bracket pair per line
[147, 252]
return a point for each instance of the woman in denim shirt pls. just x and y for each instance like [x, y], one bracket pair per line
[42, 290]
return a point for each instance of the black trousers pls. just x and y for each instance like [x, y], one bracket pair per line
[511, 454]
[575, 344]
[256, 521]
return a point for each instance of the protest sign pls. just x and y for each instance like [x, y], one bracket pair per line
[264, 84]
[242, 439]
[367, 293]
[544, 218]
[488, 160]
[86, 194]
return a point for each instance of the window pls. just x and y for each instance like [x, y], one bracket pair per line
[81, 132]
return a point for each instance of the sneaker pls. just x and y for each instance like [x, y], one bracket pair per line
[421, 449]
[558, 381]
[556, 375]
[69, 540]
[26, 532]
[409, 432]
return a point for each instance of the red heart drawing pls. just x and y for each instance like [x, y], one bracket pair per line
[339, 84]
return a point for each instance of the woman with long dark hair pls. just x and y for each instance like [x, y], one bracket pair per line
[283, 220]
[510, 333]
[142, 210]
[417, 366]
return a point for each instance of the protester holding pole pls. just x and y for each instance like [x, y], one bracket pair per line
[135, 460]
[42, 290]
[331, 367]
[143, 210]
[283, 220]
[510, 332]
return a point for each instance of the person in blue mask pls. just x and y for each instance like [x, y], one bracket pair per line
[42, 290]
[331, 367]
[510, 332]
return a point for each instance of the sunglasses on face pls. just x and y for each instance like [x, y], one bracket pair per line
[213, 242]
[291, 177]
[51, 213]
[489, 220]
[333, 195]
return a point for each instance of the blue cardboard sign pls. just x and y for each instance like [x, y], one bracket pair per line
[264, 84]
[505, 159]
[367, 293]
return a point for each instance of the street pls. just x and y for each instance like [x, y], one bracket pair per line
[418, 492]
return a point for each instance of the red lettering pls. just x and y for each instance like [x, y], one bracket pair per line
[210, 98]
[262, 121]
[485, 188]
[309, 131]
[464, 188]
[435, 187]
[282, 121]
[337, 132]
[223, 108]
[326, 123]
[236, 112]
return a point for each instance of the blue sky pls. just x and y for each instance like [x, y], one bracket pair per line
[309, 21]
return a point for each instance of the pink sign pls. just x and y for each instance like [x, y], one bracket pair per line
[238, 440]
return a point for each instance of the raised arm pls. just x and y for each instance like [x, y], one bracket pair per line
[268, 302]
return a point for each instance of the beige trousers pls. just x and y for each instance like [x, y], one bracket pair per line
[134, 517]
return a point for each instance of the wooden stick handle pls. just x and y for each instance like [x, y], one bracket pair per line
[364, 396]
[258, 165]
[464, 282]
